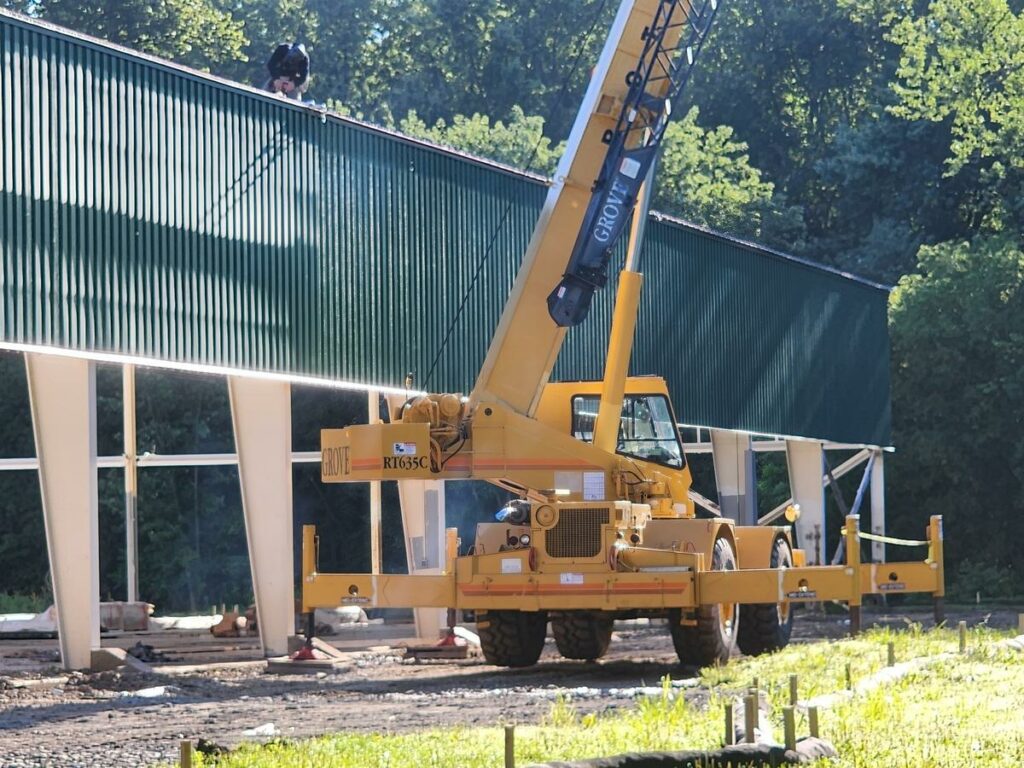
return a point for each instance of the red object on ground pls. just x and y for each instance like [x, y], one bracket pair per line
[450, 639]
[305, 653]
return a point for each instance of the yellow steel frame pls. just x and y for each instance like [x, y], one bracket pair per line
[506, 580]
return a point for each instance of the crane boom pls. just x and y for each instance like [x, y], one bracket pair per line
[659, 77]
[619, 124]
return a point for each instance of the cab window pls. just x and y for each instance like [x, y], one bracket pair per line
[646, 429]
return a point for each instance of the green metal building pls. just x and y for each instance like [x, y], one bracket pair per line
[149, 211]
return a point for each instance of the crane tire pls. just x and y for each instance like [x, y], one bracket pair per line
[766, 627]
[512, 638]
[582, 634]
[712, 638]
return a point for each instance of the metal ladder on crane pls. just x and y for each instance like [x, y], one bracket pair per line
[659, 77]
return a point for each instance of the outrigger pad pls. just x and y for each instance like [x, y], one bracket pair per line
[737, 756]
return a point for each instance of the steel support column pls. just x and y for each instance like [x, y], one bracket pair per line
[806, 462]
[261, 415]
[878, 506]
[423, 520]
[376, 498]
[735, 475]
[131, 483]
[62, 391]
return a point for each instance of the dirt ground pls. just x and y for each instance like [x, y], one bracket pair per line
[217, 690]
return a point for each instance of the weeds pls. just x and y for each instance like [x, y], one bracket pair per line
[958, 711]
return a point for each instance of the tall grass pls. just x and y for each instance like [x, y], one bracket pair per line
[965, 711]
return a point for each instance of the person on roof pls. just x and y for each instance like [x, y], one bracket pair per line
[289, 70]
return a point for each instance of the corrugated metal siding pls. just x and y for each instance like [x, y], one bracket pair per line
[150, 211]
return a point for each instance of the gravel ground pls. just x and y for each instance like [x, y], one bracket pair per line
[50, 718]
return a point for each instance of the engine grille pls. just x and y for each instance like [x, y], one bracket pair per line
[577, 532]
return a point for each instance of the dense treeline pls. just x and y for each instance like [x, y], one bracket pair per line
[882, 137]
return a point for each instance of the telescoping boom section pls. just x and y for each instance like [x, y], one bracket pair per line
[603, 523]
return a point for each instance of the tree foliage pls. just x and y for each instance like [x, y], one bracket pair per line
[963, 61]
[958, 396]
[195, 31]
[519, 141]
[705, 176]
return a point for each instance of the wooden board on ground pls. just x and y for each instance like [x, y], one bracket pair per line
[426, 652]
[282, 665]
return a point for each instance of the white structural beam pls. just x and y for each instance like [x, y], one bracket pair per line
[261, 415]
[878, 506]
[735, 475]
[806, 461]
[845, 468]
[423, 520]
[131, 474]
[62, 391]
[376, 497]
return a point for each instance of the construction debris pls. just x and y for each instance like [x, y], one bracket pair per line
[231, 624]
[110, 659]
[330, 620]
[148, 653]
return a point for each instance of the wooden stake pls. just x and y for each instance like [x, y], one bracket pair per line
[793, 688]
[730, 726]
[186, 754]
[510, 746]
[750, 718]
[812, 721]
[962, 627]
[849, 677]
[1020, 623]
[892, 654]
[754, 686]
[789, 721]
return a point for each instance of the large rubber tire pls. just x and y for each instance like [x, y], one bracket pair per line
[712, 639]
[581, 634]
[767, 627]
[512, 638]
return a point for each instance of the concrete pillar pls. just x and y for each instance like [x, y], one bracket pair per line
[878, 506]
[806, 462]
[423, 520]
[261, 414]
[62, 391]
[735, 475]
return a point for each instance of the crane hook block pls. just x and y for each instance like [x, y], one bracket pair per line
[656, 81]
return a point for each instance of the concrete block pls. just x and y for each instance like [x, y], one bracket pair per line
[109, 659]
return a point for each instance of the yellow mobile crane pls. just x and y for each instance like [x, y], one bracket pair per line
[604, 524]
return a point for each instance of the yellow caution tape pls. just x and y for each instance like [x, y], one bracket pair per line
[891, 540]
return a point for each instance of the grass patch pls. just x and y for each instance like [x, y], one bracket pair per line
[959, 712]
[21, 603]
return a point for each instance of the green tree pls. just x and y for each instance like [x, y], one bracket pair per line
[890, 196]
[519, 142]
[705, 176]
[958, 398]
[488, 56]
[194, 32]
[963, 61]
[962, 65]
